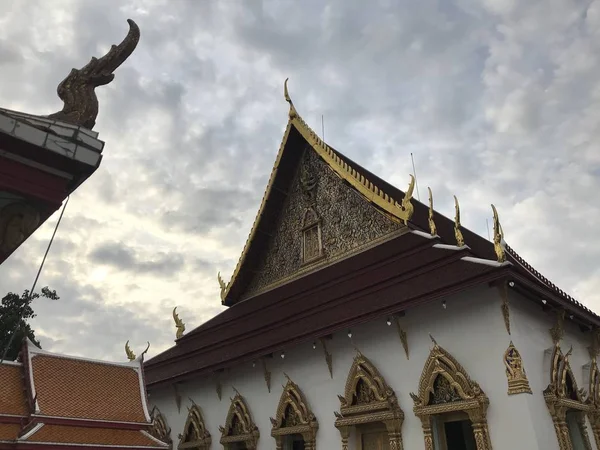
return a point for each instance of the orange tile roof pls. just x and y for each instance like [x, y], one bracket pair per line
[9, 431]
[12, 390]
[92, 436]
[78, 388]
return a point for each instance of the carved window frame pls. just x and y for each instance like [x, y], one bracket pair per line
[160, 430]
[250, 434]
[559, 403]
[292, 397]
[196, 421]
[594, 400]
[384, 407]
[311, 220]
[473, 401]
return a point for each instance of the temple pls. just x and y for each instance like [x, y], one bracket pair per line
[360, 318]
[57, 401]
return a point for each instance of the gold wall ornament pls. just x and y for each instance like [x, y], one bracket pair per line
[178, 324]
[129, 352]
[401, 334]
[460, 241]
[222, 286]
[294, 416]
[369, 399]
[432, 227]
[515, 372]
[177, 397]
[77, 89]
[562, 395]
[219, 389]
[328, 357]
[239, 426]
[160, 430]
[498, 238]
[558, 329]
[195, 435]
[446, 387]
[504, 306]
[267, 374]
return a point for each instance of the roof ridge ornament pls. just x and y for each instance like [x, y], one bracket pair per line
[178, 324]
[77, 89]
[293, 113]
[223, 287]
[460, 241]
[432, 227]
[499, 243]
[130, 355]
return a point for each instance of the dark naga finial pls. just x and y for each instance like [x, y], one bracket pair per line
[77, 90]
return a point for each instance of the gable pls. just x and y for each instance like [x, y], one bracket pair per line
[323, 219]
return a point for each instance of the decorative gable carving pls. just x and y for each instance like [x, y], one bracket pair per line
[294, 416]
[239, 426]
[369, 399]
[195, 435]
[323, 220]
[160, 430]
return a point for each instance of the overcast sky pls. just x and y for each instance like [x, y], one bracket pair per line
[498, 100]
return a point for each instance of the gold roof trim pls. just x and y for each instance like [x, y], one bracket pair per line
[401, 212]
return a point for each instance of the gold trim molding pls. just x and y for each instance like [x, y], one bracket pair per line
[294, 416]
[369, 399]
[160, 430]
[195, 435]
[239, 426]
[515, 372]
[446, 387]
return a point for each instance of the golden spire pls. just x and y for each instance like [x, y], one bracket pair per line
[460, 241]
[293, 113]
[432, 228]
[498, 237]
[222, 285]
[406, 204]
[129, 352]
[178, 324]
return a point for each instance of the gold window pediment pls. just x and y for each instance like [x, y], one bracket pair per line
[160, 430]
[239, 426]
[195, 435]
[294, 416]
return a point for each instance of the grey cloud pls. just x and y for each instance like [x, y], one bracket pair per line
[126, 258]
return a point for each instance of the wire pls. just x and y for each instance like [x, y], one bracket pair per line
[16, 330]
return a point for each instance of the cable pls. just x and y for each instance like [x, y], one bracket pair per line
[12, 337]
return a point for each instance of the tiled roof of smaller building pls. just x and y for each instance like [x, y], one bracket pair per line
[51, 434]
[9, 431]
[71, 387]
[12, 390]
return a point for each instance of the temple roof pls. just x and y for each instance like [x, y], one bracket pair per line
[412, 268]
[56, 399]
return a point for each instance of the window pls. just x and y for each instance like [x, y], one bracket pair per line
[311, 245]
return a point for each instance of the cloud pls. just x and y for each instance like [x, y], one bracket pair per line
[499, 102]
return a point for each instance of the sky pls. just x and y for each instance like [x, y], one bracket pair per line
[497, 100]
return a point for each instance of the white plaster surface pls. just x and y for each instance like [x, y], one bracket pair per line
[471, 328]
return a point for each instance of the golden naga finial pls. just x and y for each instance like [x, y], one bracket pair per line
[222, 285]
[406, 204]
[498, 237]
[129, 352]
[432, 227]
[460, 241]
[178, 324]
[293, 113]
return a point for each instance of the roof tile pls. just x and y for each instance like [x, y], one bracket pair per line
[87, 435]
[12, 390]
[9, 431]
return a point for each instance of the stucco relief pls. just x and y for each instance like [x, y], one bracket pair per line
[160, 430]
[195, 435]
[239, 426]
[347, 222]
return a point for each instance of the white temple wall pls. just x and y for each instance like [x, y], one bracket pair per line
[531, 336]
[471, 328]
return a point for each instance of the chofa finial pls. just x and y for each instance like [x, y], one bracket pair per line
[223, 287]
[77, 89]
[460, 241]
[498, 238]
[293, 113]
[432, 227]
[129, 352]
[178, 324]
[406, 204]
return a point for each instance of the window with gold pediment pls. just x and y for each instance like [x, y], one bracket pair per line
[239, 431]
[195, 435]
[370, 406]
[294, 425]
[160, 430]
[451, 406]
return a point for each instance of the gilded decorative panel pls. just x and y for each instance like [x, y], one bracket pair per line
[326, 215]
